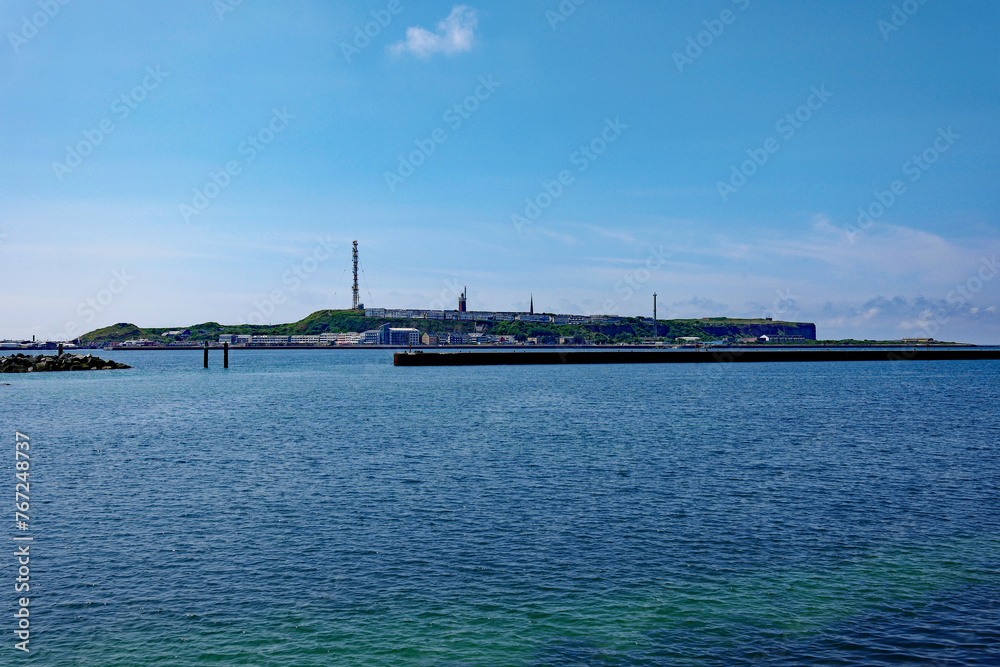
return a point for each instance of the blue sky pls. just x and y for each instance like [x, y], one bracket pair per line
[716, 153]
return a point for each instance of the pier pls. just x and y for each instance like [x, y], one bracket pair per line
[704, 356]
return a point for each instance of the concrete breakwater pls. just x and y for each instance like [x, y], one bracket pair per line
[25, 363]
[683, 356]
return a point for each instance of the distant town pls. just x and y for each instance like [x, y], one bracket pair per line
[382, 327]
[389, 327]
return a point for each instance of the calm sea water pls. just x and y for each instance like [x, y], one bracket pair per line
[325, 508]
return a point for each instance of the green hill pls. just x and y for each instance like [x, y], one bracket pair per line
[116, 333]
[628, 329]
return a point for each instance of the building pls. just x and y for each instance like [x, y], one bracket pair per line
[141, 342]
[390, 335]
[430, 339]
[462, 300]
[408, 337]
[348, 338]
[482, 339]
[328, 339]
[268, 341]
[227, 338]
[304, 340]
[370, 337]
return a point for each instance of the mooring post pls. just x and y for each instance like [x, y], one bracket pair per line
[60, 349]
[225, 355]
[206, 354]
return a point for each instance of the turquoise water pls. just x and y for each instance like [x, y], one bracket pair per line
[325, 508]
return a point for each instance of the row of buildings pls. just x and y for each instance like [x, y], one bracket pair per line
[492, 316]
[384, 335]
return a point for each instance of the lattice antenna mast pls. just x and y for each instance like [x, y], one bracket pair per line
[355, 305]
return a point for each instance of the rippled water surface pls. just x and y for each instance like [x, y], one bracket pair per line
[326, 508]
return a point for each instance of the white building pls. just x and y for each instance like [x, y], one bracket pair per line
[305, 340]
[141, 342]
[348, 339]
[269, 340]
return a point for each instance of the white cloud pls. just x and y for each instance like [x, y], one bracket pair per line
[455, 34]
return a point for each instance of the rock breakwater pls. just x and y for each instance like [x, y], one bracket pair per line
[25, 363]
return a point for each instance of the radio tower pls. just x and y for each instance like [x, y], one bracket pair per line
[355, 305]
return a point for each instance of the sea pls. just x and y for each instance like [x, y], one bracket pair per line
[323, 507]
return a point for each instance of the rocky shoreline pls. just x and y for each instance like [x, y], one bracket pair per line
[25, 363]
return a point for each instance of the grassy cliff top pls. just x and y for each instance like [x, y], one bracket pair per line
[337, 321]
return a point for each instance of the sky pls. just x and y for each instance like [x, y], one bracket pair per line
[168, 164]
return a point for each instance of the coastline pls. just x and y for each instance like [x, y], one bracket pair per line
[606, 348]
